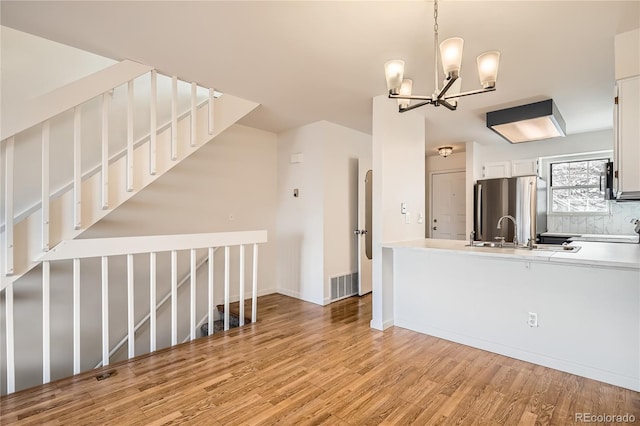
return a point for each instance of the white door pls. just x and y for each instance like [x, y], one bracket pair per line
[363, 233]
[448, 217]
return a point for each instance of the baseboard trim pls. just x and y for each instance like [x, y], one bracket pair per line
[295, 295]
[534, 358]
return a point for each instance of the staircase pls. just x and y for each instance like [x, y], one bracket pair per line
[34, 222]
[64, 213]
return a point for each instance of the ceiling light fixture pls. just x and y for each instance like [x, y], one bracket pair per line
[445, 151]
[525, 123]
[451, 56]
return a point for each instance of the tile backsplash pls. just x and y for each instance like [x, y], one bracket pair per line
[616, 223]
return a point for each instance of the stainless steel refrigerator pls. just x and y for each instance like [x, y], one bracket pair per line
[524, 198]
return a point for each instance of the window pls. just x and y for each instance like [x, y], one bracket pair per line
[575, 186]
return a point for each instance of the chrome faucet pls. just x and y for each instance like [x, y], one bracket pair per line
[515, 227]
[636, 222]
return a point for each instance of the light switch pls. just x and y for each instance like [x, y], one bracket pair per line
[420, 218]
[403, 208]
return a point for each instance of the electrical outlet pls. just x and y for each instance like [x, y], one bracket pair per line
[533, 319]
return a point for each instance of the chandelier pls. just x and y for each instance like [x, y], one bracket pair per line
[451, 58]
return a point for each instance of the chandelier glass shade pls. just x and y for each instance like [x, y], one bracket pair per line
[451, 60]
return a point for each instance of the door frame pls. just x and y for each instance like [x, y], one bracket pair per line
[430, 195]
[364, 167]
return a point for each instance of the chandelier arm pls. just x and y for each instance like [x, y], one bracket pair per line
[450, 81]
[418, 105]
[411, 97]
[472, 92]
[447, 105]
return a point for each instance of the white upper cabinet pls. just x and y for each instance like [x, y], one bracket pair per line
[627, 111]
[627, 46]
[500, 169]
[527, 167]
[628, 137]
[496, 169]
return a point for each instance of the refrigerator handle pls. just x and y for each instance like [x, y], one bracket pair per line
[533, 211]
[600, 183]
[478, 212]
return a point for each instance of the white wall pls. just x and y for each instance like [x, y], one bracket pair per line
[300, 219]
[32, 66]
[343, 148]
[315, 229]
[398, 177]
[437, 163]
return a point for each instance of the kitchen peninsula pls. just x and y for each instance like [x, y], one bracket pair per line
[575, 311]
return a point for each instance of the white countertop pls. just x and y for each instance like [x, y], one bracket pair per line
[615, 255]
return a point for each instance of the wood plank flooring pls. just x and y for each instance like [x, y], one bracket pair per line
[306, 364]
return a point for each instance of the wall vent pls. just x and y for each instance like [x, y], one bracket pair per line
[344, 286]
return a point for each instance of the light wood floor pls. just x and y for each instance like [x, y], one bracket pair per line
[305, 364]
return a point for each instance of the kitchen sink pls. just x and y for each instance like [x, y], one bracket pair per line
[494, 244]
[537, 247]
[555, 247]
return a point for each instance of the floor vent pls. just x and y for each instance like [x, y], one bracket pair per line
[344, 286]
[106, 375]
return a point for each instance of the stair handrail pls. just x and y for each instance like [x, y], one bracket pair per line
[104, 248]
[96, 169]
[42, 108]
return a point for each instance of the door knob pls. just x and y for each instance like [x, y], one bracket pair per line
[360, 231]
[435, 228]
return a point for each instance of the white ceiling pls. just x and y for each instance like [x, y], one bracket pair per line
[306, 61]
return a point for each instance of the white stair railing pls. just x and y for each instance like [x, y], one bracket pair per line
[38, 218]
[158, 305]
[106, 248]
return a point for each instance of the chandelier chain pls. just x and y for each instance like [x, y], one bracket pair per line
[435, 44]
[435, 16]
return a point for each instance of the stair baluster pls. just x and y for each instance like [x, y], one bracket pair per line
[77, 167]
[46, 190]
[174, 118]
[130, 99]
[8, 205]
[46, 322]
[76, 316]
[194, 106]
[153, 124]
